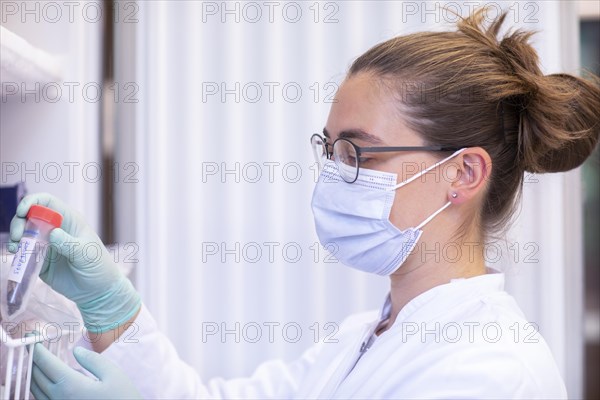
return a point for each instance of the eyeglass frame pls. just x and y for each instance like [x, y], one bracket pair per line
[376, 149]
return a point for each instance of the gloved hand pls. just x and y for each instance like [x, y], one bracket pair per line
[79, 267]
[53, 379]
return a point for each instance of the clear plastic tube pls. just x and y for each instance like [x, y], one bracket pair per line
[28, 261]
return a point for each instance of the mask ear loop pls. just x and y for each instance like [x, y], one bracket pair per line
[417, 176]
[432, 216]
[412, 178]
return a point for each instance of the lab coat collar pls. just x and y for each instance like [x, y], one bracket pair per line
[453, 292]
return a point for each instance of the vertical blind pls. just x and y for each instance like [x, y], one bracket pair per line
[229, 95]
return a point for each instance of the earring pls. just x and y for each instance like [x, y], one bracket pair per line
[454, 195]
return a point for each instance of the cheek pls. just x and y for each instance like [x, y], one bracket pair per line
[410, 168]
[407, 206]
[404, 169]
[378, 164]
[416, 201]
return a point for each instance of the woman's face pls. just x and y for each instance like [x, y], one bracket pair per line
[368, 115]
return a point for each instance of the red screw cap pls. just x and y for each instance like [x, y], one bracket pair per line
[45, 214]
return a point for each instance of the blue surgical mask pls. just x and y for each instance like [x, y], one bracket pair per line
[354, 218]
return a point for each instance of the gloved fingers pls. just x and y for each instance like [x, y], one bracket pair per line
[12, 247]
[17, 226]
[43, 199]
[41, 383]
[96, 363]
[50, 365]
[62, 241]
[37, 392]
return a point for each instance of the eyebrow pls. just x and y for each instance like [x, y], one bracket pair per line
[358, 134]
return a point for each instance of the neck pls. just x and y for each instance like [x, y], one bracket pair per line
[426, 269]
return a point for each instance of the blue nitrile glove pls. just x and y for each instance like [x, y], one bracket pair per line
[53, 379]
[79, 267]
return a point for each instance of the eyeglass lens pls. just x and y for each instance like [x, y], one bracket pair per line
[346, 159]
[344, 156]
[318, 150]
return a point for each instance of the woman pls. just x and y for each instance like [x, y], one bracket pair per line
[425, 147]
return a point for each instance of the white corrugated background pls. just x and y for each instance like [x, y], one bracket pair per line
[177, 210]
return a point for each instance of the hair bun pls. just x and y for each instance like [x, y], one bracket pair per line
[559, 120]
[560, 125]
[522, 60]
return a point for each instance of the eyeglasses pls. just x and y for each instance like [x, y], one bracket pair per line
[347, 155]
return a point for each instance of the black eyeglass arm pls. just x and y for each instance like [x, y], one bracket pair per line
[405, 148]
[387, 149]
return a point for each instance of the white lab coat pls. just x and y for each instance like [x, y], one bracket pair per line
[466, 339]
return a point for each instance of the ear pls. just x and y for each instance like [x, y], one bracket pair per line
[474, 168]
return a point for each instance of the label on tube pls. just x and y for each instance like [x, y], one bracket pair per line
[21, 260]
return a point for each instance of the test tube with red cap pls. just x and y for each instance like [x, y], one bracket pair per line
[29, 259]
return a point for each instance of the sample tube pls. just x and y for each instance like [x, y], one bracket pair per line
[29, 259]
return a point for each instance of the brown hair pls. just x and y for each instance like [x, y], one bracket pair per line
[466, 88]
